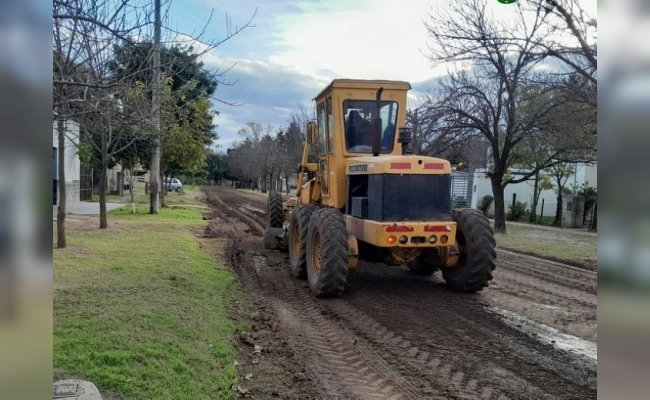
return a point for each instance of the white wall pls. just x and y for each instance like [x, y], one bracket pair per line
[524, 190]
[72, 163]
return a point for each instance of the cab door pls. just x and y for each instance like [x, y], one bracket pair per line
[325, 144]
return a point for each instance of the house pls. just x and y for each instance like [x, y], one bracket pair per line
[523, 192]
[72, 166]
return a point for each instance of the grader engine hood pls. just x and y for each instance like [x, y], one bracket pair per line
[399, 188]
[398, 165]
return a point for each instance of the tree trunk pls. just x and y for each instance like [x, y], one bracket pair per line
[163, 191]
[594, 220]
[60, 210]
[131, 182]
[536, 192]
[103, 224]
[499, 205]
[558, 210]
[154, 169]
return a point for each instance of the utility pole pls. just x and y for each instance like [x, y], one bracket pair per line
[154, 171]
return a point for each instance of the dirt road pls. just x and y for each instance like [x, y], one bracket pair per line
[392, 335]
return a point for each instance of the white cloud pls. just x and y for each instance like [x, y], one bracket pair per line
[296, 48]
[364, 39]
[267, 93]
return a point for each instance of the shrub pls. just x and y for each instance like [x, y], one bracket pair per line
[486, 202]
[517, 212]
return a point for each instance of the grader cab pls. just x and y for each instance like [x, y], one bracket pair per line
[363, 195]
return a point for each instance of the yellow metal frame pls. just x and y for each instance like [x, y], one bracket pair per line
[336, 159]
[403, 165]
[340, 164]
[377, 234]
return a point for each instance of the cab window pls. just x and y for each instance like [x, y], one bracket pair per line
[330, 125]
[322, 138]
[358, 118]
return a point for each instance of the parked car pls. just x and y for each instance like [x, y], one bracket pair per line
[173, 184]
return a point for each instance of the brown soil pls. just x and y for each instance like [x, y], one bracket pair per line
[393, 335]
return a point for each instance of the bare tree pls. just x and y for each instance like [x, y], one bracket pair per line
[573, 39]
[263, 156]
[485, 94]
[434, 134]
[83, 31]
[86, 87]
[290, 142]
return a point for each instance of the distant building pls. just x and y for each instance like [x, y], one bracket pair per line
[72, 166]
[524, 192]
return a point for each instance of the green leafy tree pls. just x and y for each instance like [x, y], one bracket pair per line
[591, 195]
[187, 128]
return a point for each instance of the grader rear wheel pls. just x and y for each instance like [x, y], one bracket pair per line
[477, 249]
[327, 253]
[298, 239]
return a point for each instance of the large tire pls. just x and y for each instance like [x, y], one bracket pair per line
[298, 239]
[274, 211]
[327, 253]
[477, 248]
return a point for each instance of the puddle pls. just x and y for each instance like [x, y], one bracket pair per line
[550, 335]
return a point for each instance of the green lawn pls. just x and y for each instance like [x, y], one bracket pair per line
[557, 243]
[109, 198]
[141, 309]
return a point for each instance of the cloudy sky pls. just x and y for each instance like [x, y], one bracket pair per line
[295, 48]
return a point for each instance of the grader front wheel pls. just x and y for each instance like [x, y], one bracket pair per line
[327, 253]
[298, 239]
[274, 212]
[274, 220]
[477, 252]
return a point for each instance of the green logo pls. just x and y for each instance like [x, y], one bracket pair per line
[506, 1]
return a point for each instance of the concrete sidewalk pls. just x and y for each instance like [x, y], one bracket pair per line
[85, 208]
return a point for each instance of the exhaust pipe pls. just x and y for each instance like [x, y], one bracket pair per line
[376, 139]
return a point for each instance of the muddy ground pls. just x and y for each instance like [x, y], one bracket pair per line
[530, 335]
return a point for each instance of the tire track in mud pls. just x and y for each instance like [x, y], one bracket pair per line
[345, 367]
[475, 348]
[256, 225]
[548, 291]
[361, 367]
[562, 275]
[418, 362]
[534, 290]
[396, 336]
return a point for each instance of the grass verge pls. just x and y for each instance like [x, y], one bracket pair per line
[559, 244]
[140, 309]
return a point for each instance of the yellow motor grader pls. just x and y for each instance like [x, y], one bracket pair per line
[362, 194]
